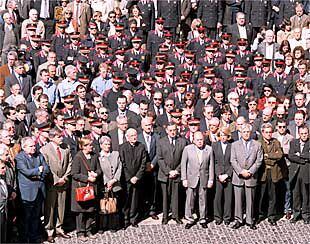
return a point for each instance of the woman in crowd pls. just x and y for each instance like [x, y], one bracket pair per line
[289, 65]
[298, 54]
[111, 173]
[194, 32]
[85, 172]
[189, 101]
[267, 92]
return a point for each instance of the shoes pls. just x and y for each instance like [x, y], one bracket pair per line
[204, 225]
[155, 217]
[113, 230]
[91, 236]
[164, 221]
[51, 239]
[63, 235]
[272, 222]
[189, 225]
[226, 222]
[83, 239]
[288, 215]
[179, 222]
[135, 225]
[253, 227]
[126, 225]
[237, 225]
[306, 221]
[218, 222]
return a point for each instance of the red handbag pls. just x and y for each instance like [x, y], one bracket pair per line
[86, 193]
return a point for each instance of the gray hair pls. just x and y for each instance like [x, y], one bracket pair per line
[25, 141]
[231, 95]
[246, 126]
[121, 117]
[2, 132]
[104, 139]
[266, 126]
[69, 69]
[3, 148]
[7, 123]
[129, 131]
[12, 53]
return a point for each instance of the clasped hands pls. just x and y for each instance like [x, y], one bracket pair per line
[92, 176]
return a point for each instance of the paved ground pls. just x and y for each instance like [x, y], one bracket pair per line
[152, 232]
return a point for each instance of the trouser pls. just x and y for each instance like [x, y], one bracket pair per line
[49, 28]
[268, 188]
[223, 193]
[288, 197]
[83, 223]
[54, 209]
[191, 194]
[130, 209]
[31, 219]
[150, 192]
[249, 200]
[170, 191]
[297, 186]
[3, 226]
[306, 202]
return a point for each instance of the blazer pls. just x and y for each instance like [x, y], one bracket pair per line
[251, 162]
[114, 139]
[151, 156]
[58, 168]
[222, 163]
[193, 170]
[262, 48]
[300, 161]
[30, 180]
[85, 16]
[4, 72]
[169, 157]
[111, 167]
[133, 159]
[2, 34]
[233, 29]
[79, 179]
[25, 88]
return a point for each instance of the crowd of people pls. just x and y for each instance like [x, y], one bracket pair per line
[196, 109]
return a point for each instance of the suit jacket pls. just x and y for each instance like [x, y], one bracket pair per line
[4, 72]
[186, 7]
[72, 143]
[169, 157]
[299, 23]
[133, 159]
[30, 180]
[84, 18]
[2, 34]
[222, 163]
[258, 12]
[58, 168]
[25, 88]
[4, 195]
[193, 170]
[111, 167]
[171, 11]
[240, 160]
[132, 118]
[114, 139]
[262, 48]
[233, 29]
[151, 155]
[300, 163]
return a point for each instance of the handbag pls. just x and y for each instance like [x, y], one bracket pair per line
[108, 204]
[86, 193]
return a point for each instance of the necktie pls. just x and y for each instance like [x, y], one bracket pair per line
[148, 142]
[20, 78]
[172, 142]
[77, 12]
[58, 153]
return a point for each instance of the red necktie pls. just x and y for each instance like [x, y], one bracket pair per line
[58, 153]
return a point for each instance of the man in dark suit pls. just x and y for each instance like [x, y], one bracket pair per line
[123, 111]
[19, 77]
[223, 173]
[31, 172]
[299, 175]
[118, 134]
[155, 37]
[150, 141]
[133, 157]
[69, 137]
[4, 196]
[169, 152]
[240, 29]
[211, 14]
[171, 12]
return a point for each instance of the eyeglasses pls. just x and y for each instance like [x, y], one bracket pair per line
[169, 105]
[104, 113]
[281, 126]
[252, 104]
[280, 114]
[158, 99]
[267, 90]
[160, 23]
[112, 17]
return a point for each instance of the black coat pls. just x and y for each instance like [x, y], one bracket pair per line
[16, 31]
[169, 157]
[222, 163]
[258, 12]
[210, 12]
[79, 179]
[170, 11]
[300, 161]
[133, 159]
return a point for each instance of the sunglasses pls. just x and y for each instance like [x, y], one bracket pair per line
[252, 104]
[281, 126]
[267, 90]
[169, 105]
[157, 99]
[104, 113]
